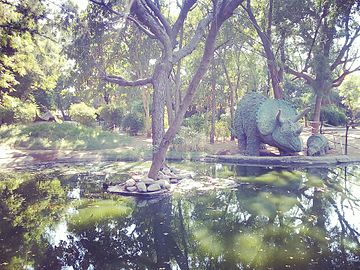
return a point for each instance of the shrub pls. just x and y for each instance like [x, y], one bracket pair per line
[14, 110]
[82, 113]
[133, 123]
[196, 122]
[188, 139]
[222, 127]
[332, 115]
[112, 115]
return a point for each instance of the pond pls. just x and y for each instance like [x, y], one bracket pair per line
[59, 218]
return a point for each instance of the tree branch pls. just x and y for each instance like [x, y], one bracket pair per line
[159, 16]
[337, 82]
[186, 7]
[125, 16]
[191, 46]
[298, 74]
[348, 43]
[123, 82]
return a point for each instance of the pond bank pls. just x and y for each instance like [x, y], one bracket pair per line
[19, 158]
[286, 161]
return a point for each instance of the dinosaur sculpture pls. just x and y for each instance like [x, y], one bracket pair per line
[259, 119]
[317, 145]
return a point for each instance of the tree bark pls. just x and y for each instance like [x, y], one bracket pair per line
[213, 104]
[316, 119]
[160, 152]
[160, 84]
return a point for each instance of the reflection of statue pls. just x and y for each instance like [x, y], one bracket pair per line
[317, 145]
[259, 119]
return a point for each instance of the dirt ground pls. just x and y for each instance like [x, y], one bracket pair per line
[13, 157]
[336, 137]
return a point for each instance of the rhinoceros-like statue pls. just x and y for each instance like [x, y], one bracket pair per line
[259, 119]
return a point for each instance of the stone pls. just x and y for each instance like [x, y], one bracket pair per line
[166, 171]
[317, 145]
[163, 176]
[130, 183]
[136, 177]
[259, 119]
[154, 187]
[131, 189]
[148, 181]
[174, 181]
[175, 170]
[167, 185]
[141, 186]
[161, 183]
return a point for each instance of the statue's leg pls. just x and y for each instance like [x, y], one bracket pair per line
[253, 146]
[242, 142]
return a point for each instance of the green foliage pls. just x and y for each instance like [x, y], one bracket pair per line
[61, 136]
[82, 113]
[93, 212]
[332, 115]
[197, 122]
[133, 123]
[188, 139]
[350, 93]
[112, 115]
[222, 127]
[14, 110]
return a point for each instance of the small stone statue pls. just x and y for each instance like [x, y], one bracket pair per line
[317, 145]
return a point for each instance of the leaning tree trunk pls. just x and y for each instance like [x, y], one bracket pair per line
[160, 84]
[316, 118]
[213, 105]
[159, 153]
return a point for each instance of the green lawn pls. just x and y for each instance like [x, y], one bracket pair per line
[41, 136]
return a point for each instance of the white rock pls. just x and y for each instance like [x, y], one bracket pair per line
[161, 183]
[131, 189]
[141, 186]
[136, 177]
[148, 181]
[154, 187]
[130, 183]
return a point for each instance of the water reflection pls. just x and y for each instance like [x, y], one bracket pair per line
[275, 219]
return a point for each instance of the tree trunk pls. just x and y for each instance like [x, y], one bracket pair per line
[160, 84]
[213, 105]
[159, 153]
[147, 121]
[316, 118]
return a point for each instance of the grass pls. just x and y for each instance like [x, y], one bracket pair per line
[65, 136]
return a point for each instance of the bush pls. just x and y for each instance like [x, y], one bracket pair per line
[13, 110]
[133, 123]
[222, 127]
[112, 115]
[188, 139]
[196, 122]
[332, 115]
[82, 113]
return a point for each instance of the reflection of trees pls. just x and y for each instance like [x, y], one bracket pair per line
[28, 205]
[279, 219]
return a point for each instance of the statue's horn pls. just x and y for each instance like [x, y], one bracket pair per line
[279, 118]
[302, 114]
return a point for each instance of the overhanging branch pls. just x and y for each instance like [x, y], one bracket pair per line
[298, 74]
[123, 82]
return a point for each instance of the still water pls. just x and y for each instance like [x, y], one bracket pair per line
[59, 218]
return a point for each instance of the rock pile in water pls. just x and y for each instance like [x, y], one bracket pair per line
[166, 177]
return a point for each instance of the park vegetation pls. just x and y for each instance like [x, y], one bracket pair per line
[170, 70]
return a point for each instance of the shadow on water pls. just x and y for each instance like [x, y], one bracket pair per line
[274, 219]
